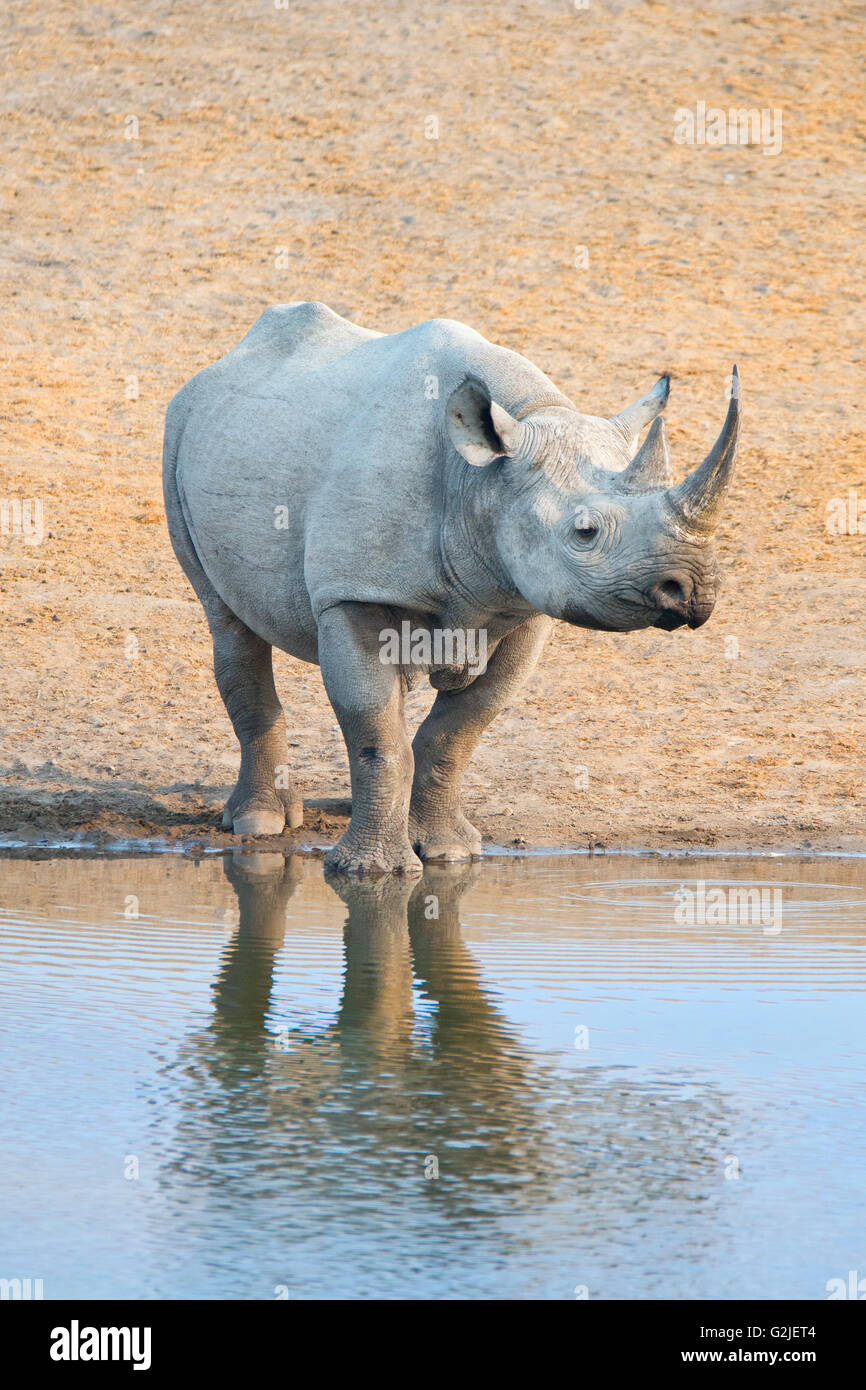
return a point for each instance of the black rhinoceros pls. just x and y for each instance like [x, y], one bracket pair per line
[328, 486]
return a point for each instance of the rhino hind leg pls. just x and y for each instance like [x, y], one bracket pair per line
[446, 739]
[262, 802]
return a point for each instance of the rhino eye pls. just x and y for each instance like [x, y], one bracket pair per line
[585, 529]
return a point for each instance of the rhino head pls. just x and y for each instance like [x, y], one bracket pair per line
[589, 528]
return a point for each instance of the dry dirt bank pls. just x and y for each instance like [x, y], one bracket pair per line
[283, 154]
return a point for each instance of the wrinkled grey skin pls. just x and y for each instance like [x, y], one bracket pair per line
[324, 482]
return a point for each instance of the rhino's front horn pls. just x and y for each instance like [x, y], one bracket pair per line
[696, 502]
[651, 465]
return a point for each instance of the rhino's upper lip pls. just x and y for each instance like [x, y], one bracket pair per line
[669, 620]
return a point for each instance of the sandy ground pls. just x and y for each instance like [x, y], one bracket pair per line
[172, 169]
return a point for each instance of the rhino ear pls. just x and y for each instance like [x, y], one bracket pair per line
[632, 420]
[480, 429]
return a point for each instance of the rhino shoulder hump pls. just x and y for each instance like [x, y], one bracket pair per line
[449, 333]
[287, 328]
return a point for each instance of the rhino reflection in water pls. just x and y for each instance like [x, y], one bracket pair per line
[325, 484]
[417, 1062]
[467, 1075]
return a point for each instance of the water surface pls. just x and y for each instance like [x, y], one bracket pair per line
[229, 1078]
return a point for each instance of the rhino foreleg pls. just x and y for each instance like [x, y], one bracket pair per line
[367, 697]
[446, 740]
[261, 803]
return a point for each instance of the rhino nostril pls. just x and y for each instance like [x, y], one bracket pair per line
[672, 590]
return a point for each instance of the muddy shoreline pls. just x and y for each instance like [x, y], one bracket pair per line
[43, 831]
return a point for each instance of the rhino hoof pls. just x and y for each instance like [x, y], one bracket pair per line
[445, 841]
[345, 859]
[445, 853]
[259, 823]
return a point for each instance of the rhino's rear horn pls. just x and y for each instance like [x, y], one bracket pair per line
[651, 465]
[696, 502]
[635, 417]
